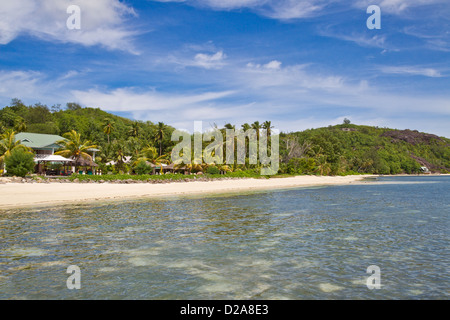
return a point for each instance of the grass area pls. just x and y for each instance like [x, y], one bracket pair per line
[170, 177]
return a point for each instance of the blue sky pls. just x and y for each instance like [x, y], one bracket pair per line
[301, 64]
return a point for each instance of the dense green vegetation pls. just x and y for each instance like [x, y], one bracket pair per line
[334, 150]
[351, 149]
[171, 177]
[20, 162]
[102, 128]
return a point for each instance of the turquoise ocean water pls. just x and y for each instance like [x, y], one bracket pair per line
[305, 243]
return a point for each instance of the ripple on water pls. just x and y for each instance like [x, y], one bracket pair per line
[350, 238]
[220, 287]
[108, 269]
[415, 292]
[45, 264]
[188, 264]
[145, 251]
[264, 249]
[359, 281]
[328, 287]
[143, 262]
[25, 252]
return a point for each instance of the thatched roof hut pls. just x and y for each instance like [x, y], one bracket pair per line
[82, 162]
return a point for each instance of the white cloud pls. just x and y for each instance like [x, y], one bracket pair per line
[28, 85]
[102, 22]
[186, 58]
[212, 61]
[293, 97]
[273, 65]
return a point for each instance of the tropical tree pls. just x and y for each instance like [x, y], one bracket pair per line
[20, 162]
[160, 134]
[119, 153]
[323, 167]
[134, 147]
[230, 126]
[108, 127]
[267, 125]
[73, 147]
[105, 154]
[246, 126]
[257, 126]
[20, 125]
[150, 154]
[8, 143]
[134, 130]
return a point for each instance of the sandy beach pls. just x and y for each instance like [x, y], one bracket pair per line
[17, 195]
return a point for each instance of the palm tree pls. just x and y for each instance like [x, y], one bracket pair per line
[108, 127]
[323, 167]
[20, 125]
[267, 125]
[8, 143]
[134, 147]
[150, 154]
[119, 153]
[230, 126]
[246, 126]
[73, 147]
[256, 126]
[160, 134]
[134, 130]
[105, 154]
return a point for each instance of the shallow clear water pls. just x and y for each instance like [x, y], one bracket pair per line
[308, 243]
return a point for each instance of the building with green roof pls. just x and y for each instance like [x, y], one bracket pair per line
[45, 145]
[40, 143]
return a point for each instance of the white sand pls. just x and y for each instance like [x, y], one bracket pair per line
[15, 195]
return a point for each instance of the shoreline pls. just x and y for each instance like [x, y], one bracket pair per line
[26, 195]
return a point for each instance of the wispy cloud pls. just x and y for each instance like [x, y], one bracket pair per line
[276, 9]
[131, 100]
[29, 85]
[398, 6]
[411, 70]
[360, 38]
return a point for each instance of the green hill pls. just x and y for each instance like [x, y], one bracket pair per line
[89, 122]
[333, 150]
[350, 148]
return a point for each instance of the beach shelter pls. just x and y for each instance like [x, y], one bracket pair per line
[42, 159]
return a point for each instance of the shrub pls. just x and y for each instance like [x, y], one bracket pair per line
[213, 170]
[142, 168]
[20, 163]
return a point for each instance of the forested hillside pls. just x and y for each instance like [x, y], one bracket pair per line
[89, 122]
[350, 148]
[333, 150]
